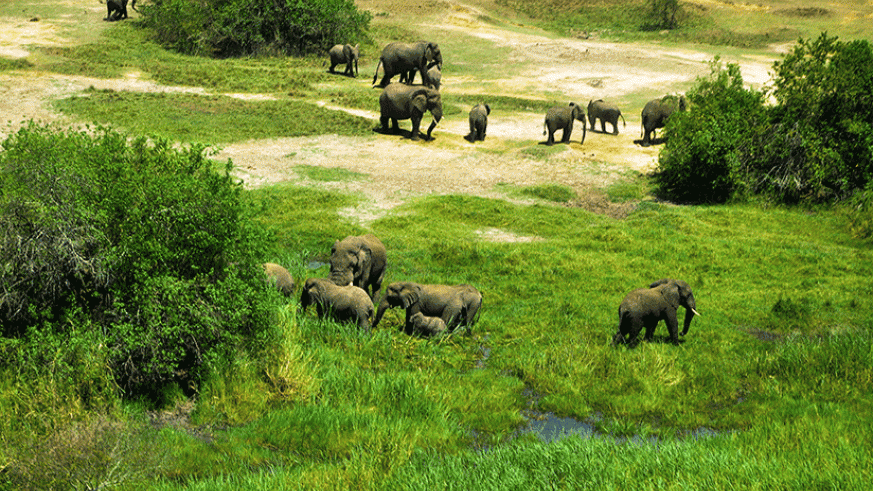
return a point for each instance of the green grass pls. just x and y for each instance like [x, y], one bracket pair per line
[211, 119]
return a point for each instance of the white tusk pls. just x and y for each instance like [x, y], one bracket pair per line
[696, 312]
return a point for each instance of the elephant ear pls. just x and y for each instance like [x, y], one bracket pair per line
[659, 282]
[672, 295]
[419, 101]
[347, 51]
[410, 295]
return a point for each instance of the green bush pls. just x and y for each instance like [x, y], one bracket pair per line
[698, 161]
[819, 143]
[143, 243]
[245, 27]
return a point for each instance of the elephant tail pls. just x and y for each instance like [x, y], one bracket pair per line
[545, 131]
[376, 75]
[622, 119]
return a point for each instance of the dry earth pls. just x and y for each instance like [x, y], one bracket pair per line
[589, 68]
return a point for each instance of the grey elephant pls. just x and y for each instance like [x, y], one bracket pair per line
[117, 9]
[434, 77]
[562, 118]
[400, 58]
[645, 307]
[479, 122]
[280, 278]
[360, 261]
[457, 306]
[427, 326]
[399, 101]
[345, 54]
[342, 303]
[607, 113]
[656, 112]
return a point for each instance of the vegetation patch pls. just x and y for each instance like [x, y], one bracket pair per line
[211, 119]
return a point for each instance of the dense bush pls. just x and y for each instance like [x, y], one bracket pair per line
[244, 27]
[144, 244]
[697, 164]
[815, 144]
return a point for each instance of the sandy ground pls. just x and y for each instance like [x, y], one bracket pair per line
[449, 164]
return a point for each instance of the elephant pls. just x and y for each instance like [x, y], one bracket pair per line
[645, 307]
[427, 326]
[400, 58]
[359, 261]
[434, 77]
[607, 113]
[561, 118]
[456, 305]
[342, 303]
[656, 112]
[280, 278]
[117, 9]
[345, 54]
[478, 122]
[399, 101]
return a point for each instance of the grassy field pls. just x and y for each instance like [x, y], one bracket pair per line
[772, 387]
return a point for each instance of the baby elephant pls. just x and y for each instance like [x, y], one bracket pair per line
[342, 303]
[456, 305]
[645, 307]
[561, 118]
[280, 278]
[478, 122]
[606, 113]
[345, 54]
[427, 326]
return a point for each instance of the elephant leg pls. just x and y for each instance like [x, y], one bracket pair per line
[673, 327]
[416, 126]
[551, 139]
[603, 125]
[650, 329]
[568, 130]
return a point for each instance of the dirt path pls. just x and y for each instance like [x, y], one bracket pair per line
[399, 168]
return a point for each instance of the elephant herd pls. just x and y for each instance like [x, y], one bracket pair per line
[407, 101]
[357, 270]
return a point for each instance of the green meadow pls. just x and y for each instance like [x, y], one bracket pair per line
[772, 388]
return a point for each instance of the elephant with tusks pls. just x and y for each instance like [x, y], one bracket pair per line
[646, 307]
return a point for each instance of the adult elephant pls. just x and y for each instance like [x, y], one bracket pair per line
[342, 303]
[645, 307]
[478, 122]
[400, 58]
[607, 113]
[656, 113]
[345, 54]
[280, 278]
[562, 118]
[456, 305]
[399, 101]
[360, 261]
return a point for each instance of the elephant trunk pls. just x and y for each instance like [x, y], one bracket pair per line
[690, 312]
[383, 306]
[437, 113]
[342, 277]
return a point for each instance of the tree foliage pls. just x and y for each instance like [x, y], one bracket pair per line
[133, 240]
[253, 27]
[815, 144]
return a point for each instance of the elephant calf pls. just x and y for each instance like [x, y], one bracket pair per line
[427, 326]
[347, 55]
[645, 307]
[280, 278]
[456, 305]
[343, 303]
[561, 118]
[606, 113]
[478, 122]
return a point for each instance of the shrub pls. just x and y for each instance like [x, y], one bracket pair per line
[143, 243]
[819, 144]
[698, 161]
[245, 27]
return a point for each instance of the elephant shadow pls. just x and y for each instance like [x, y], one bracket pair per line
[653, 141]
[656, 339]
[341, 74]
[405, 134]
